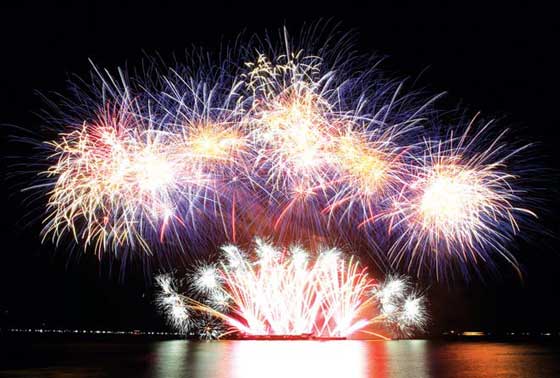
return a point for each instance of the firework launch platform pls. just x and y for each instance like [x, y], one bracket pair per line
[303, 336]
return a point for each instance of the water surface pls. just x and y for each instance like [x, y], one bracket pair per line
[286, 359]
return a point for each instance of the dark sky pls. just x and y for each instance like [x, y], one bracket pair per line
[500, 59]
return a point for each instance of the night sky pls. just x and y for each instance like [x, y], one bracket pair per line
[499, 60]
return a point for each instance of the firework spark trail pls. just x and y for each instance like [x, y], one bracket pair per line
[281, 292]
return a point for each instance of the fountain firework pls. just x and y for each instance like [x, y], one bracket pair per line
[291, 292]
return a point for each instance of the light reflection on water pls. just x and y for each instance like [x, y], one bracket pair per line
[300, 358]
[271, 359]
[285, 359]
[352, 359]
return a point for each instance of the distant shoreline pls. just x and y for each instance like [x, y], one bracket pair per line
[98, 335]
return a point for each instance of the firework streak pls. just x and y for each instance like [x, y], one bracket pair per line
[304, 144]
[290, 293]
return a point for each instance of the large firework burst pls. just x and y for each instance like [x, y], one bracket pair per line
[302, 142]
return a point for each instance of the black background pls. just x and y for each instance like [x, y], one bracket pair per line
[500, 59]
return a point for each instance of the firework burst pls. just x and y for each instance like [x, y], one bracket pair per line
[291, 124]
[370, 170]
[457, 208]
[114, 182]
[172, 304]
